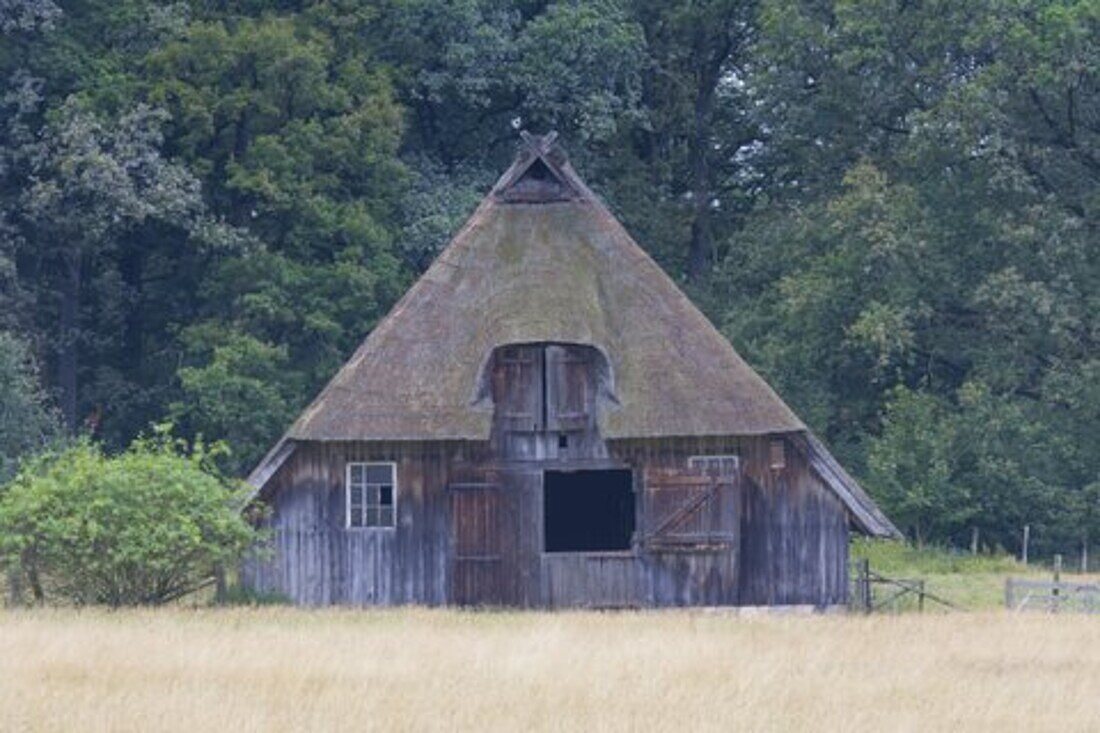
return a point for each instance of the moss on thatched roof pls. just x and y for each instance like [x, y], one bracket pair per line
[562, 270]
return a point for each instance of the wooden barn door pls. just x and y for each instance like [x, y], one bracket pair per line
[690, 535]
[482, 531]
[690, 510]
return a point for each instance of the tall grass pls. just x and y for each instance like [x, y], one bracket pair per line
[278, 669]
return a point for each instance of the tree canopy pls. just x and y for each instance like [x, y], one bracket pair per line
[889, 207]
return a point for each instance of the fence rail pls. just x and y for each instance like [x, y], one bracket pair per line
[873, 592]
[1057, 596]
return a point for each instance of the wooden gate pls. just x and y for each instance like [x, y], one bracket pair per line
[481, 572]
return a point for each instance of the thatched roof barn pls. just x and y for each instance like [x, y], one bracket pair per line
[545, 419]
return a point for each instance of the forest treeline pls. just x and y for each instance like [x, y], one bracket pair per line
[889, 206]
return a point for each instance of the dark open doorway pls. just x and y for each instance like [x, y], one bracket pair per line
[588, 511]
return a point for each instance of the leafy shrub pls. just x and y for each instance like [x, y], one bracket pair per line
[144, 527]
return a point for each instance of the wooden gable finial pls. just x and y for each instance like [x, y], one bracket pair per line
[537, 175]
[539, 144]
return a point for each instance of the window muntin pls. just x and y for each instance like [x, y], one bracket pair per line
[371, 495]
[724, 465]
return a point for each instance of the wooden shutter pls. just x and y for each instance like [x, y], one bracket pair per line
[570, 388]
[687, 510]
[517, 388]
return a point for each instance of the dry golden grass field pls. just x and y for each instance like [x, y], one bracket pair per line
[280, 669]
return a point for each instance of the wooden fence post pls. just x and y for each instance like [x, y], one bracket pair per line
[865, 600]
[1027, 536]
[220, 587]
[1010, 594]
[1054, 597]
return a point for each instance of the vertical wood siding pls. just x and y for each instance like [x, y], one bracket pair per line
[787, 538]
[794, 533]
[313, 559]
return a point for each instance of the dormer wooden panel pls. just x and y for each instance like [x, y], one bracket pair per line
[570, 388]
[545, 402]
[518, 389]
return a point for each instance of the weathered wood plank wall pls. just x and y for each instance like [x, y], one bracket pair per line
[794, 533]
[789, 540]
[313, 559]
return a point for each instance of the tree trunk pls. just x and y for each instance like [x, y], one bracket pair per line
[701, 246]
[30, 567]
[15, 587]
[132, 268]
[68, 346]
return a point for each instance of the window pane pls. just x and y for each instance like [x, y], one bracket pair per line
[380, 473]
[714, 465]
[372, 516]
[372, 495]
[385, 495]
[357, 473]
[385, 516]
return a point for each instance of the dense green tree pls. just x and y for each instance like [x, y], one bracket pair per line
[954, 256]
[698, 94]
[28, 422]
[240, 392]
[104, 231]
[27, 16]
[295, 138]
[913, 467]
[100, 192]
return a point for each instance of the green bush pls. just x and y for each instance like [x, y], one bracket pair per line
[147, 526]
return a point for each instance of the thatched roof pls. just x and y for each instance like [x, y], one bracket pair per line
[559, 270]
[543, 260]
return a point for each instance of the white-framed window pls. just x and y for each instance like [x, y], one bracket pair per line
[371, 495]
[726, 465]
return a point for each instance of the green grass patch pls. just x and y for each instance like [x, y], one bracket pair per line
[901, 558]
[970, 582]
